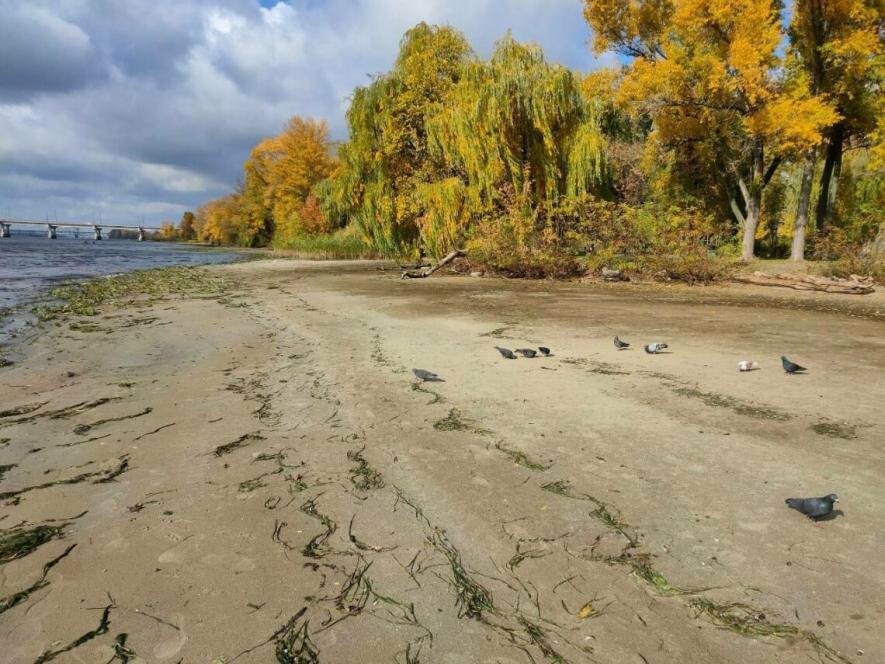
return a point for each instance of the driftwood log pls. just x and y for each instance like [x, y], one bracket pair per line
[613, 275]
[426, 272]
[855, 285]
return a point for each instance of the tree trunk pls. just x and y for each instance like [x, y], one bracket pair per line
[829, 178]
[751, 221]
[798, 251]
[753, 200]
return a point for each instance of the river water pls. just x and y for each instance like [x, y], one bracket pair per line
[30, 263]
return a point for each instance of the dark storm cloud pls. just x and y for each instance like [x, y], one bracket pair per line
[41, 52]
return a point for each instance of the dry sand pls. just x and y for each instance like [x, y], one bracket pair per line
[257, 478]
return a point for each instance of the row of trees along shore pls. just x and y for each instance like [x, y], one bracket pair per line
[730, 129]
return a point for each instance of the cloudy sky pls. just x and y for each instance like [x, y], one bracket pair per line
[135, 109]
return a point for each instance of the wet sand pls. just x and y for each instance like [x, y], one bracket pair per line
[258, 478]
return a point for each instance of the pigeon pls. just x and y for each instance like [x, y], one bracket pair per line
[655, 348]
[813, 508]
[426, 376]
[621, 345]
[526, 352]
[747, 365]
[790, 367]
[506, 352]
[545, 351]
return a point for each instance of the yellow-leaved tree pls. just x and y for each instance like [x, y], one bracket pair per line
[385, 162]
[220, 221]
[712, 72]
[837, 44]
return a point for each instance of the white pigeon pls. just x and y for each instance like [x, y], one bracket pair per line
[655, 348]
[747, 365]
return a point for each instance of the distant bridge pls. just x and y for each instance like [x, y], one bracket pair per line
[53, 226]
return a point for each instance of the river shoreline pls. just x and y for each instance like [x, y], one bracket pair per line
[249, 470]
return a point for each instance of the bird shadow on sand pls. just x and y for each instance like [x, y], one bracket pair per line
[835, 514]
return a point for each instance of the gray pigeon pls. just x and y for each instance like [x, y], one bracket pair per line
[545, 351]
[790, 367]
[621, 345]
[506, 352]
[814, 508]
[655, 348]
[526, 352]
[426, 376]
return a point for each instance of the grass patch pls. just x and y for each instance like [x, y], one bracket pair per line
[103, 627]
[521, 458]
[471, 598]
[317, 546]
[248, 486]
[739, 618]
[343, 244]
[451, 422]
[5, 468]
[601, 368]
[84, 299]
[640, 565]
[835, 430]
[242, 441]
[560, 488]
[497, 333]
[715, 400]
[538, 638]
[20, 541]
[83, 429]
[97, 477]
[13, 600]
[293, 644]
[362, 475]
[522, 555]
[418, 387]
[613, 521]
[22, 410]
[748, 621]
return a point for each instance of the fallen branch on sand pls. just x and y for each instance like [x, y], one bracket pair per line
[855, 285]
[426, 272]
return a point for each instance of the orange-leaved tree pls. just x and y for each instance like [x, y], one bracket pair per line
[712, 72]
[280, 174]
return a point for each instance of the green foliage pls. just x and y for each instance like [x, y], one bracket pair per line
[519, 120]
[344, 243]
[584, 235]
[386, 161]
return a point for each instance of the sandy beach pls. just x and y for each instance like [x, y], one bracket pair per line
[255, 475]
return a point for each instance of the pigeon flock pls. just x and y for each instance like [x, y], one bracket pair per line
[814, 508]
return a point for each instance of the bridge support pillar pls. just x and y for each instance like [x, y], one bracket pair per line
[4, 230]
[51, 231]
[140, 234]
[97, 230]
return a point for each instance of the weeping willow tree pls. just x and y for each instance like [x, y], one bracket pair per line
[386, 161]
[445, 141]
[514, 127]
